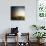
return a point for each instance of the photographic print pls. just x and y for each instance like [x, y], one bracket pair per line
[17, 12]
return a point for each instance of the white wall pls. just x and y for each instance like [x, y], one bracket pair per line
[24, 26]
[30, 13]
